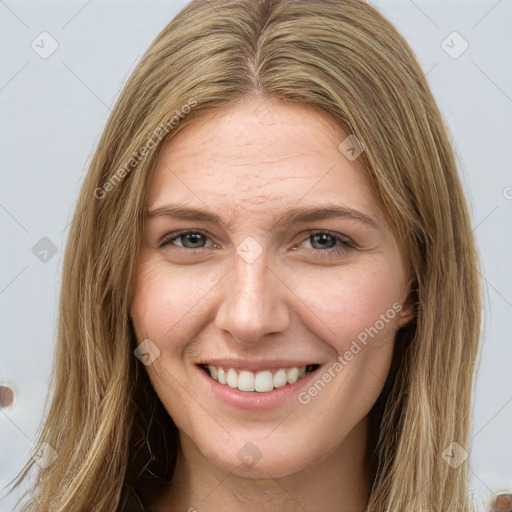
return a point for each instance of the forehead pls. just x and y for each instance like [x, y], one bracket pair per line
[258, 131]
[259, 155]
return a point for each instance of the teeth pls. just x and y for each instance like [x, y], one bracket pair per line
[232, 378]
[246, 381]
[213, 371]
[292, 375]
[221, 376]
[280, 378]
[262, 381]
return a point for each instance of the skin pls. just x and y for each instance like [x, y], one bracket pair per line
[197, 297]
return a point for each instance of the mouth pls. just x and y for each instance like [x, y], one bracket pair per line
[263, 381]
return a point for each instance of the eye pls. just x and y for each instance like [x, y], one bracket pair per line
[325, 243]
[187, 239]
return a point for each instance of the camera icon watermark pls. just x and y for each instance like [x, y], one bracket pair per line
[454, 455]
[454, 45]
[44, 250]
[249, 250]
[44, 45]
[45, 456]
[249, 454]
[351, 147]
[147, 352]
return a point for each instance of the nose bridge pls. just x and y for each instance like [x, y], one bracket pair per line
[253, 301]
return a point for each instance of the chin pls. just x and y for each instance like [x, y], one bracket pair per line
[262, 458]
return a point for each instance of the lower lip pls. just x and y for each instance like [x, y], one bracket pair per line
[254, 400]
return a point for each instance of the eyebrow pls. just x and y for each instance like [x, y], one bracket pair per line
[296, 215]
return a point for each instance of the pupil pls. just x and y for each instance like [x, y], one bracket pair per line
[323, 238]
[194, 238]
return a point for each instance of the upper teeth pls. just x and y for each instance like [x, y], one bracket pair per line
[261, 381]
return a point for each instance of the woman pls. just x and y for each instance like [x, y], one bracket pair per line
[270, 293]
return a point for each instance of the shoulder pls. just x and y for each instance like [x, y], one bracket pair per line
[130, 501]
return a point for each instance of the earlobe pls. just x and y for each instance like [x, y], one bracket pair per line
[408, 311]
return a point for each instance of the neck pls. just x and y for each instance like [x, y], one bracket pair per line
[336, 482]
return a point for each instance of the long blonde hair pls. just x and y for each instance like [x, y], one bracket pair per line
[341, 57]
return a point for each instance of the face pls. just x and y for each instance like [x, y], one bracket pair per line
[266, 255]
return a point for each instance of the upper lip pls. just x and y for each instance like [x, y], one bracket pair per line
[256, 365]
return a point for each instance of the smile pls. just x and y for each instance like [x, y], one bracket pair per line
[262, 381]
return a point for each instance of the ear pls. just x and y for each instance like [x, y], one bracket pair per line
[408, 311]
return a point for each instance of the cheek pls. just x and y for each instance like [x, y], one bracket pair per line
[164, 298]
[354, 303]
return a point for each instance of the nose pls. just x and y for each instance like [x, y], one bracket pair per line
[253, 301]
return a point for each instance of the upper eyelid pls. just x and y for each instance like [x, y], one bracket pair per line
[176, 234]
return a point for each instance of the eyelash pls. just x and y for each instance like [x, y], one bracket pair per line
[345, 244]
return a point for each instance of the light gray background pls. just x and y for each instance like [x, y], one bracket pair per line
[54, 109]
